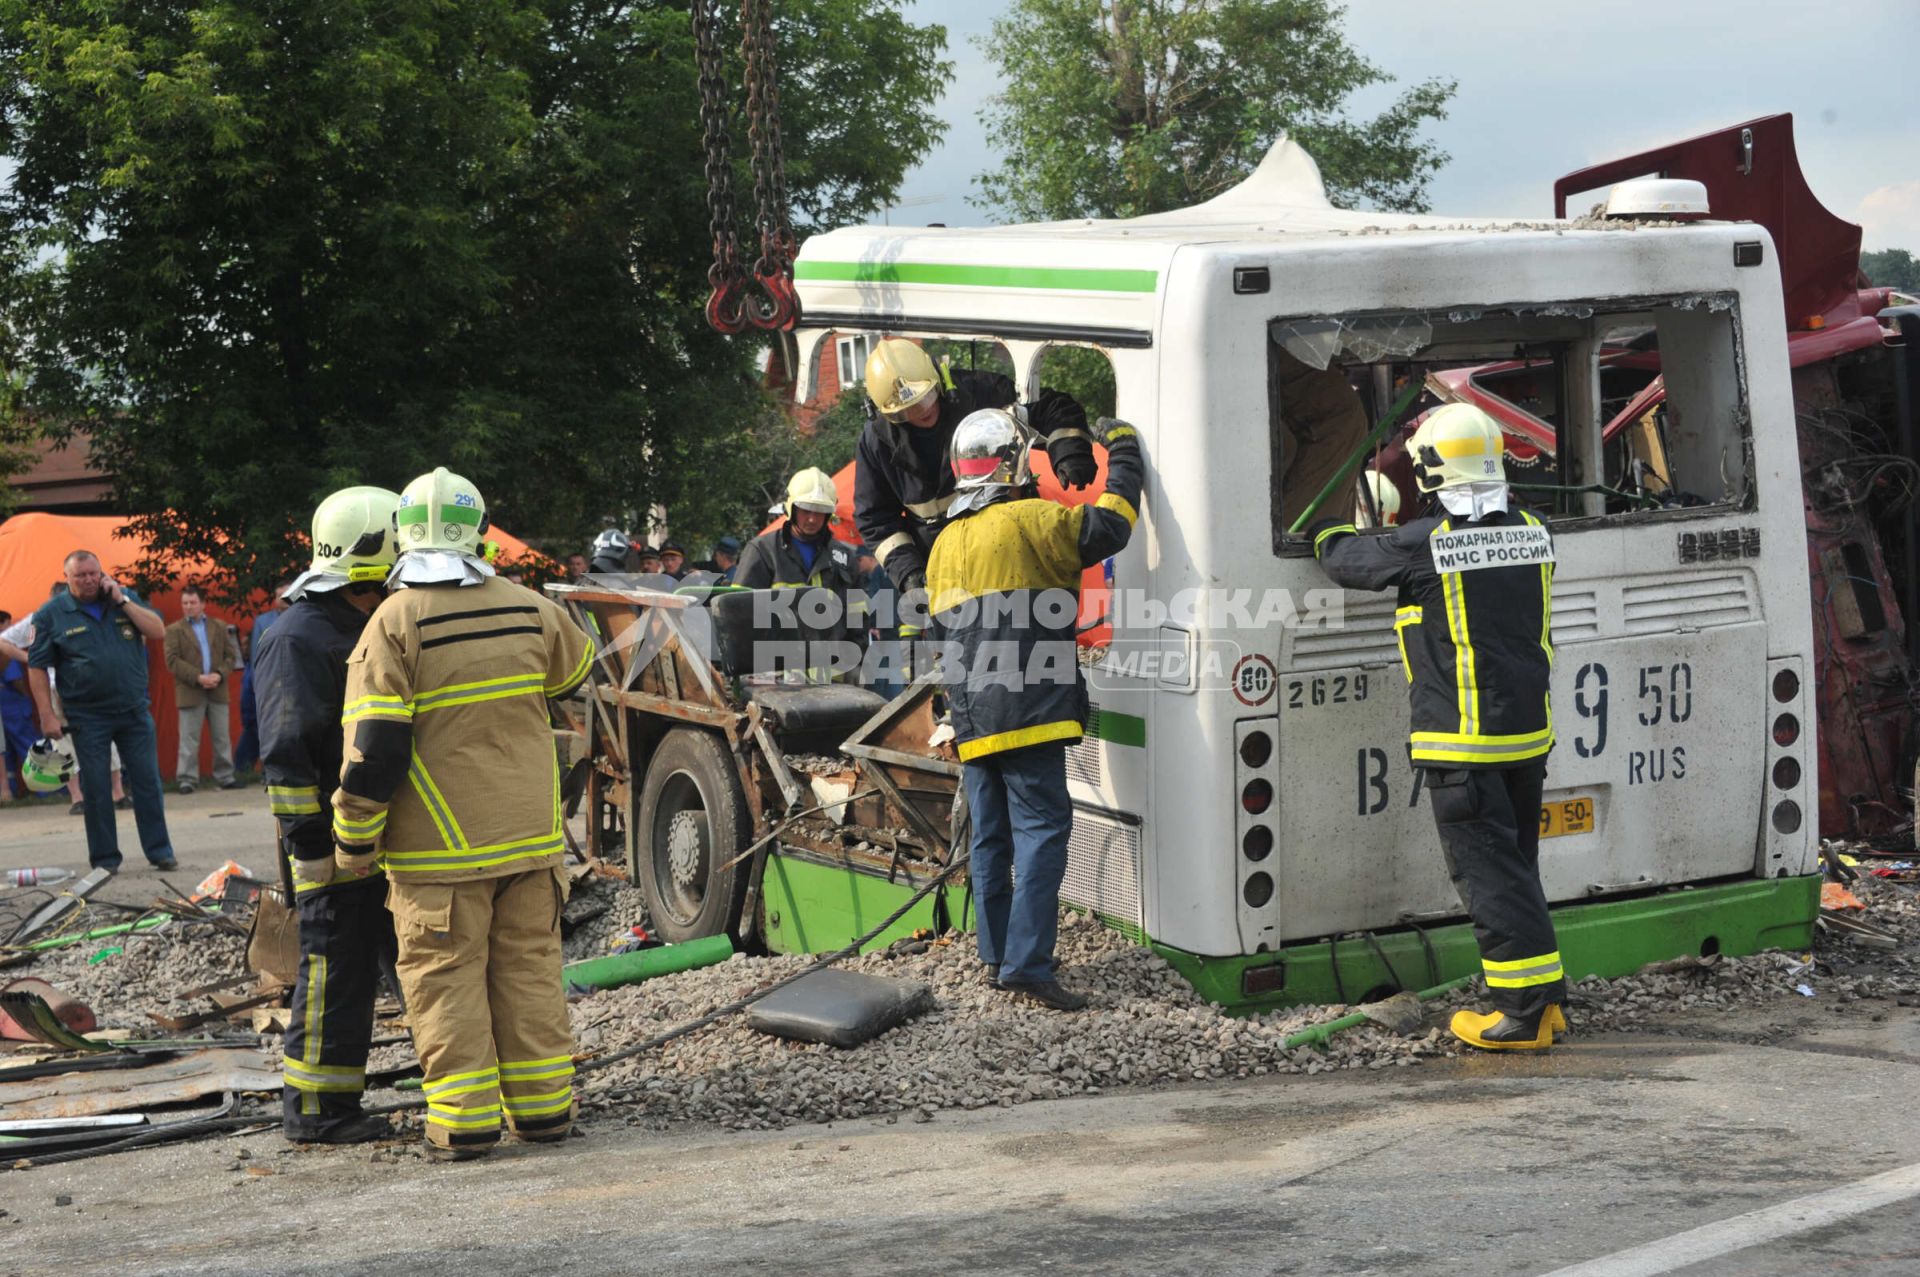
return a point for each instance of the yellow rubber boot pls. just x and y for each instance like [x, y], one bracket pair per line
[1498, 1031]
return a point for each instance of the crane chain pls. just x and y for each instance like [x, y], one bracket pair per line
[776, 305]
[726, 310]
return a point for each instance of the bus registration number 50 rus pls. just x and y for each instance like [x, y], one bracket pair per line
[1566, 816]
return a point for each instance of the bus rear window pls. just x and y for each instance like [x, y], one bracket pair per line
[1612, 410]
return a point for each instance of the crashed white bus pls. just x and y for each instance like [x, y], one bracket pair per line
[1243, 798]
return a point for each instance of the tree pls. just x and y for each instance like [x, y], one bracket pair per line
[260, 249]
[1892, 268]
[1117, 108]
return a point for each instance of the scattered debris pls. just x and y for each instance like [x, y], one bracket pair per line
[171, 1080]
[71, 1012]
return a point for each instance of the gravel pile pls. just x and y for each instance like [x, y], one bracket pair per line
[609, 908]
[148, 973]
[978, 1047]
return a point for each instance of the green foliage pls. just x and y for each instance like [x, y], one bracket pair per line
[1082, 372]
[262, 249]
[1892, 268]
[19, 431]
[746, 472]
[1117, 108]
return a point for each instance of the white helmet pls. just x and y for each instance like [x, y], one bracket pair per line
[812, 489]
[47, 765]
[1457, 444]
[991, 456]
[441, 511]
[1386, 499]
[353, 541]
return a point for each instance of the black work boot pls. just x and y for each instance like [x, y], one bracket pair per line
[358, 1129]
[1048, 993]
[1503, 1031]
[456, 1152]
[993, 974]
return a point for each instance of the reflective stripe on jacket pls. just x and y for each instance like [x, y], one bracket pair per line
[1477, 645]
[450, 765]
[299, 685]
[1016, 679]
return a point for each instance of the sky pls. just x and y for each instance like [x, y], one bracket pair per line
[1546, 88]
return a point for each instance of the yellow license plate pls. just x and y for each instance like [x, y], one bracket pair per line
[1567, 816]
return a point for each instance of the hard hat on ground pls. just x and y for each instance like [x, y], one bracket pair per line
[441, 511]
[812, 489]
[991, 457]
[1386, 499]
[1457, 444]
[47, 765]
[899, 375]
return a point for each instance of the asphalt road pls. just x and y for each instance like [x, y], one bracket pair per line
[1762, 1143]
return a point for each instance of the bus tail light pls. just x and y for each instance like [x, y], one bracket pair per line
[1786, 730]
[1256, 829]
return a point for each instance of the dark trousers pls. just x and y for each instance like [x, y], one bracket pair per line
[346, 942]
[1489, 823]
[246, 752]
[1021, 819]
[94, 736]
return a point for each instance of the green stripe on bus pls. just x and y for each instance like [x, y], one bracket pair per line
[1121, 729]
[1077, 278]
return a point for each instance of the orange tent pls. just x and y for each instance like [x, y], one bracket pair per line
[1093, 582]
[34, 546]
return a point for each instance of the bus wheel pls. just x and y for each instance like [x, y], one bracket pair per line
[693, 819]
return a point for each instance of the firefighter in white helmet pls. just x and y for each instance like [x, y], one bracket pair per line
[1475, 583]
[802, 552]
[451, 785]
[346, 933]
[1003, 582]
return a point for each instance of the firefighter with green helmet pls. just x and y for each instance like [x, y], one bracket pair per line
[346, 933]
[1475, 584]
[451, 786]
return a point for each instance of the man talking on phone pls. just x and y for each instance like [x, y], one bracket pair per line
[94, 640]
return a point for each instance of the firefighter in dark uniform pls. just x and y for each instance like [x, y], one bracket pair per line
[1003, 582]
[1475, 582]
[902, 488]
[803, 552]
[346, 933]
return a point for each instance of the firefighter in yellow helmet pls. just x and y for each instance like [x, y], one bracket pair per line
[346, 933]
[902, 487]
[1475, 583]
[451, 784]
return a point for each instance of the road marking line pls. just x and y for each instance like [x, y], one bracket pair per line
[1769, 1223]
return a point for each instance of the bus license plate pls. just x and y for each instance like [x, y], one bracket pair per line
[1567, 816]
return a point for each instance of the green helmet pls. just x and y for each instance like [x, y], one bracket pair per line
[442, 511]
[47, 765]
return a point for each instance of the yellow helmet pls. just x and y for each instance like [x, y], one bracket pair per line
[1457, 444]
[812, 489]
[1386, 499]
[899, 375]
[441, 511]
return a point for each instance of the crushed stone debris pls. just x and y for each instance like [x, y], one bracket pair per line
[611, 907]
[979, 1047]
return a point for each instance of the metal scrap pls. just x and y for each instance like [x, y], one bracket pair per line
[183, 1077]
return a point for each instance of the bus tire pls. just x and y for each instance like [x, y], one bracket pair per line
[693, 819]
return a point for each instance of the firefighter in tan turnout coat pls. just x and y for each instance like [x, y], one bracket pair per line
[451, 785]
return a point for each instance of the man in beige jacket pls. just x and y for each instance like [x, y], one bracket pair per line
[451, 784]
[201, 653]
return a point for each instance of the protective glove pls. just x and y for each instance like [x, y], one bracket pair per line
[1113, 432]
[355, 864]
[317, 872]
[1062, 423]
